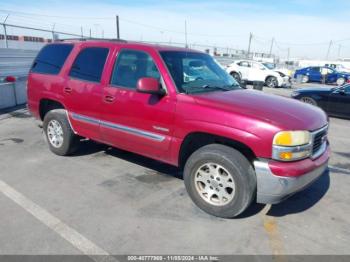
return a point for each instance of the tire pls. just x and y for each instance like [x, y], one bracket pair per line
[271, 82]
[340, 81]
[305, 79]
[236, 195]
[236, 76]
[308, 100]
[58, 133]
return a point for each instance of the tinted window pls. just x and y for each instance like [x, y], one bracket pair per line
[132, 65]
[51, 59]
[347, 89]
[89, 64]
[315, 69]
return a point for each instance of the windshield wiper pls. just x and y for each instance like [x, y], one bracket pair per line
[217, 87]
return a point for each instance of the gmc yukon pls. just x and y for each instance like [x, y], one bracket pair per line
[179, 106]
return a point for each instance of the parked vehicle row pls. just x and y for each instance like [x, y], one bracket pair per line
[320, 74]
[333, 100]
[235, 146]
[255, 71]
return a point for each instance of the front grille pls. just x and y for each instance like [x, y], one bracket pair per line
[318, 140]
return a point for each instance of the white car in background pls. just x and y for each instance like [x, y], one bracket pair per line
[250, 71]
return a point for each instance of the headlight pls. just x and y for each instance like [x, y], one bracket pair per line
[295, 93]
[291, 145]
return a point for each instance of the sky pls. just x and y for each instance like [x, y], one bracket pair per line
[305, 27]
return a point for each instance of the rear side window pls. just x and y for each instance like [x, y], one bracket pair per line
[51, 59]
[89, 64]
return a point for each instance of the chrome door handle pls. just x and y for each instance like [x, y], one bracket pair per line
[109, 99]
[67, 89]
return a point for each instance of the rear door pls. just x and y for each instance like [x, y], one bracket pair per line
[83, 90]
[244, 69]
[138, 122]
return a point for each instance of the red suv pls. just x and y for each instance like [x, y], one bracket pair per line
[179, 106]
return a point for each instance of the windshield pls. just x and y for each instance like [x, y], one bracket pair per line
[270, 66]
[197, 72]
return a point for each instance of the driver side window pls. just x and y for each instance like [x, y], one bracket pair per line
[130, 66]
[347, 89]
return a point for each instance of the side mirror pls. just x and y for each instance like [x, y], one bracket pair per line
[149, 85]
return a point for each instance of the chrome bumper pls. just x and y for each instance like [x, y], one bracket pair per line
[272, 189]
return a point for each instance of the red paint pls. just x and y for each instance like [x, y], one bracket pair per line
[250, 117]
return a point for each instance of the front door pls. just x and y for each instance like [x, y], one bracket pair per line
[137, 122]
[340, 102]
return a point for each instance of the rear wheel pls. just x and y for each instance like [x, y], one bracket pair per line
[271, 82]
[304, 79]
[59, 134]
[308, 100]
[220, 180]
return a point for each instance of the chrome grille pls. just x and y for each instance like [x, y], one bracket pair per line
[319, 141]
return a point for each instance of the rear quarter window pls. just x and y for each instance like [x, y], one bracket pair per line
[51, 59]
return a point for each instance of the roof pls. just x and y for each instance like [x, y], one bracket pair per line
[125, 43]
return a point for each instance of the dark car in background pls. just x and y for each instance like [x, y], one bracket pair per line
[335, 101]
[317, 73]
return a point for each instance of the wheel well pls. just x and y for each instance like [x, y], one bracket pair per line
[194, 141]
[47, 105]
[235, 72]
[269, 77]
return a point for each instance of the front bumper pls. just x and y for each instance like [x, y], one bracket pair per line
[287, 82]
[272, 189]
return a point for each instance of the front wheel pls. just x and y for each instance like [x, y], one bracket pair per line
[271, 82]
[340, 81]
[220, 180]
[308, 100]
[236, 76]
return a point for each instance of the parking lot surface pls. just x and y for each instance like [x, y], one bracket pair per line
[107, 201]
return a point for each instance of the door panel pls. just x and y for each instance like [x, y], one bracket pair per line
[137, 122]
[83, 90]
[339, 104]
[83, 100]
[315, 74]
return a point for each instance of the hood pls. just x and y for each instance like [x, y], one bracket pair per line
[284, 113]
[344, 74]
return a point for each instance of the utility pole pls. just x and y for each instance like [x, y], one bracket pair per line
[250, 43]
[186, 46]
[53, 32]
[5, 32]
[329, 49]
[288, 55]
[273, 39]
[103, 33]
[117, 26]
[90, 33]
[82, 33]
[339, 49]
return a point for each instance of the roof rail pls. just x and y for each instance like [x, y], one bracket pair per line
[92, 39]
